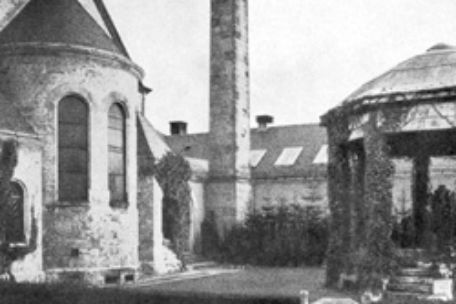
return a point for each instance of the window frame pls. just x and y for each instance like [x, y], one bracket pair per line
[23, 241]
[80, 201]
[121, 203]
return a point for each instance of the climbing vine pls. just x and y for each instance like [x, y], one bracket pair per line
[173, 174]
[8, 253]
[377, 252]
[338, 169]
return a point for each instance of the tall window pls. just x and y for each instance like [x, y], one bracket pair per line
[73, 149]
[15, 215]
[116, 151]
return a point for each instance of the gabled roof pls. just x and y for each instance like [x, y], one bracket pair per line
[152, 145]
[154, 142]
[309, 137]
[62, 21]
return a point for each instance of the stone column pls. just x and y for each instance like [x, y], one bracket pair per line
[420, 187]
[228, 191]
[357, 206]
[378, 184]
[338, 198]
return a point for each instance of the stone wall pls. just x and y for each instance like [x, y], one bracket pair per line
[146, 217]
[36, 77]
[197, 214]
[28, 175]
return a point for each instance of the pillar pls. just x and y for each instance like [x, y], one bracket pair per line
[420, 187]
[357, 206]
[228, 191]
[378, 184]
[338, 198]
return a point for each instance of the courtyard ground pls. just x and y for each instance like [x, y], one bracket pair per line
[252, 281]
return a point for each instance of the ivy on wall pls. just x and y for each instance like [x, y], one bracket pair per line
[377, 252]
[338, 170]
[8, 253]
[173, 173]
[360, 200]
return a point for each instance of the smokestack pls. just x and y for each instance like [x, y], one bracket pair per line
[264, 120]
[178, 128]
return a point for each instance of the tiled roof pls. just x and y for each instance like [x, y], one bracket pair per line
[57, 21]
[431, 70]
[152, 143]
[274, 140]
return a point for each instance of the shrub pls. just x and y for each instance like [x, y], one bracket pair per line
[279, 236]
[173, 174]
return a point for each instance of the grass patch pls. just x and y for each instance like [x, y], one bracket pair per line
[248, 286]
[255, 282]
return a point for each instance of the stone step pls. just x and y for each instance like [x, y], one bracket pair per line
[411, 280]
[202, 265]
[408, 297]
[411, 287]
[416, 272]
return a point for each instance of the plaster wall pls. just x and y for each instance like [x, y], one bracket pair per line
[28, 174]
[197, 215]
[90, 234]
[298, 191]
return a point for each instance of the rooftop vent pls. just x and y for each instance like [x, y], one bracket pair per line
[178, 128]
[440, 47]
[264, 120]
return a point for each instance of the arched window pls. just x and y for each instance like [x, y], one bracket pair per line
[15, 232]
[73, 149]
[117, 160]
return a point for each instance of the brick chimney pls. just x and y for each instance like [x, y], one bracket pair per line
[228, 191]
[264, 120]
[178, 128]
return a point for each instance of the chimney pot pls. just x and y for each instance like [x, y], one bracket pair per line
[264, 120]
[178, 128]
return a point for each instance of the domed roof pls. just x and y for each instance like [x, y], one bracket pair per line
[432, 70]
[57, 21]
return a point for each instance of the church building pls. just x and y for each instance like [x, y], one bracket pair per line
[72, 98]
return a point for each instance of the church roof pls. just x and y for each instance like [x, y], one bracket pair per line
[432, 70]
[278, 151]
[60, 21]
[153, 142]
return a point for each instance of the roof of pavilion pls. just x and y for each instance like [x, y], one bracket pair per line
[423, 77]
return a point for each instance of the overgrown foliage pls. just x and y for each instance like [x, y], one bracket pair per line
[338, 199]
[173, 174]
[376, 255]
[8, 253]
[278, 236]
[360, 200]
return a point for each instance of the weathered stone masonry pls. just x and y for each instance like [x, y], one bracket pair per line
[90, 234]
[229, 190]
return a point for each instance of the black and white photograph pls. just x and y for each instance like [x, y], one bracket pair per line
[227, 151]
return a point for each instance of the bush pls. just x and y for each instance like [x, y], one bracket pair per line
[278, 236]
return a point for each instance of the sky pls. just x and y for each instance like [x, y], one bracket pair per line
[306, 56]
